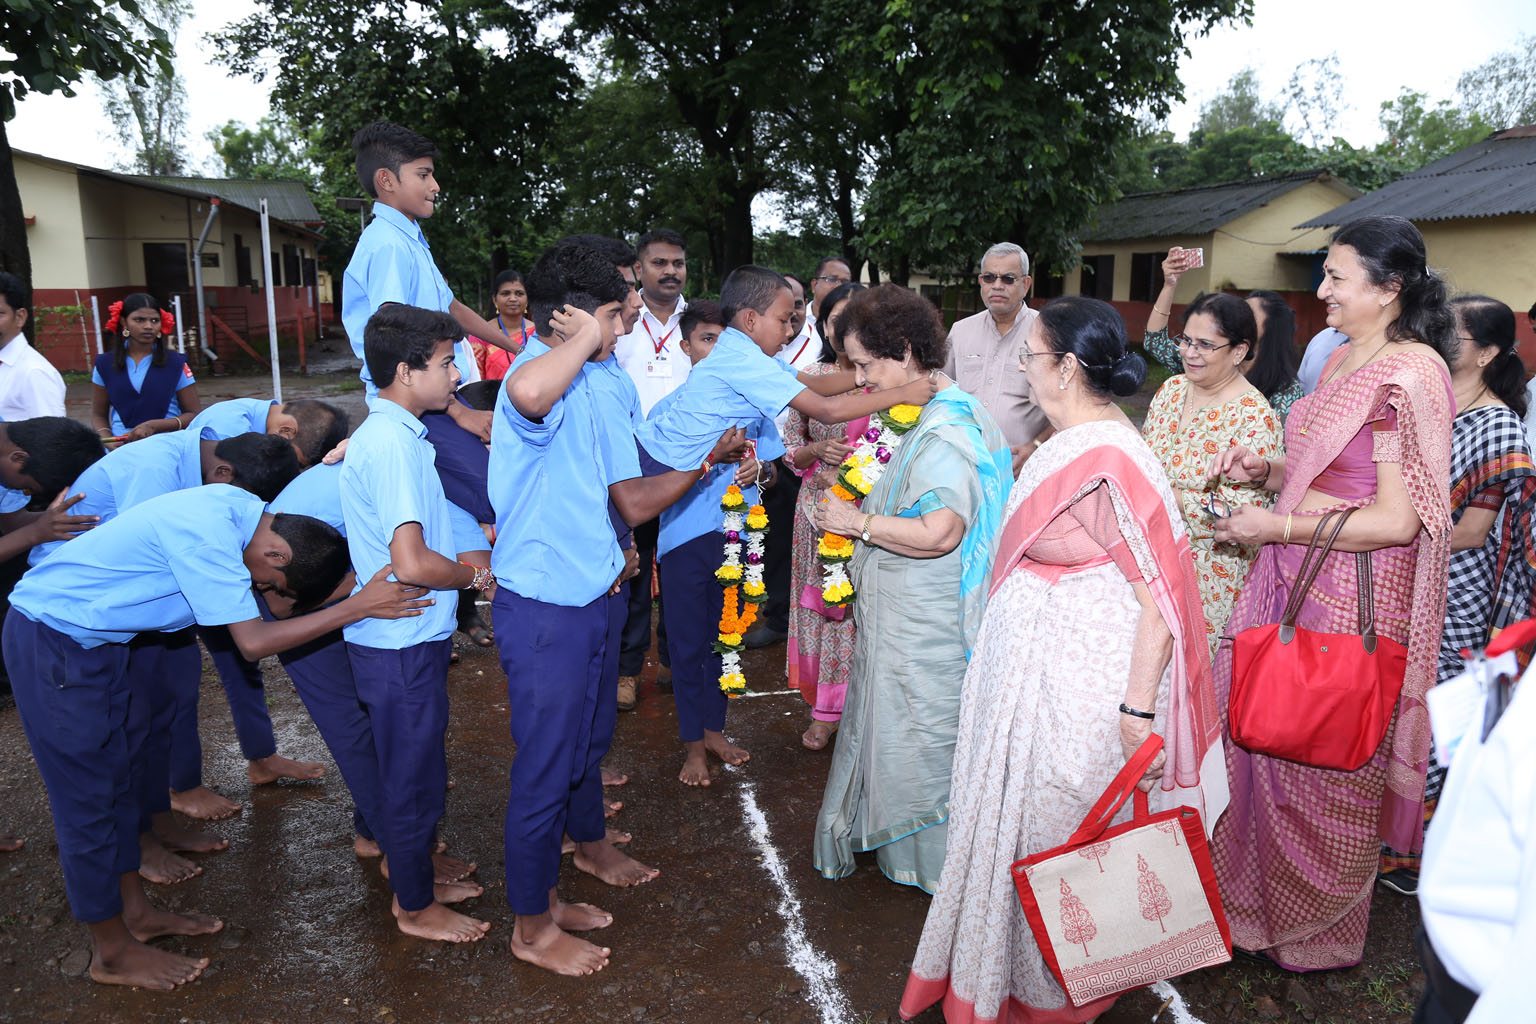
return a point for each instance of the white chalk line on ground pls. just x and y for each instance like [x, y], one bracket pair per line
[766, 693]
[1179, 1008]
[820, 974]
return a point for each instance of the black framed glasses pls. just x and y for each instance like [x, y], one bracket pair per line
[831, 279]
[1205, 348]
[1008, 279]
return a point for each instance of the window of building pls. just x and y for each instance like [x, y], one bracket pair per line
[1050, 286]
[1146, 275]
[1097, 279]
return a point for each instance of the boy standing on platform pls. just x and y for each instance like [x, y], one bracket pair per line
[396, 515]
[740, 382]
[563, 470]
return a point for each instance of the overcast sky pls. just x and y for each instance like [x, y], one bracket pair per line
[1382, 46]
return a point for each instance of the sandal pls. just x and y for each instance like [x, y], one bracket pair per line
[818, 735]
[480, 633]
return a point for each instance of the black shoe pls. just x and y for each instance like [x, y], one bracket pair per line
[1400, 880]
[764, 636]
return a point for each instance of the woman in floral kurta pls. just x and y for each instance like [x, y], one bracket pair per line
[1186, 429]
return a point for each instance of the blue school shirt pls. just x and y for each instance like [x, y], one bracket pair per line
[316, 492]
[393, 263]
[137, 370]
[388, 479]
[737, 385]
[549, 485]
[131, 475]
[163, 565]
[698, 512]
[235, 416]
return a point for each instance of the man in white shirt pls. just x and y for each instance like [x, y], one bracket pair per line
[984, 351]
[831, 273]
[29, 384]
[651, 353]
[804, 349]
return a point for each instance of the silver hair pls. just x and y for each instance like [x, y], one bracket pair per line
[1008, 249]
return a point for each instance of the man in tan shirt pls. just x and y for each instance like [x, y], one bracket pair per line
[984, 351]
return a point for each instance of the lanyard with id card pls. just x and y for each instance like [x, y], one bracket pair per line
[658, 365]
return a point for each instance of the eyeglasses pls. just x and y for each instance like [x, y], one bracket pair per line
[830, 279]
[1008, 279]
[1205, 348]
[1216, 508]
[1025, 355]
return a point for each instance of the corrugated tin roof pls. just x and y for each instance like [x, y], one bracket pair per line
[286, 200]
[1193, 211]
[1486, 179]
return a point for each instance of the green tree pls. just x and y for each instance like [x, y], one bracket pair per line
[1418, 134]
[1314, 96]
[273, 149]
[1502, 90]
[1013, 116]
[151, 117]
[472, 75]
[50, 47]
[1238, 106]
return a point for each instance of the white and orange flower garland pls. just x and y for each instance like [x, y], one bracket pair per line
[744, 528]
[856, 477]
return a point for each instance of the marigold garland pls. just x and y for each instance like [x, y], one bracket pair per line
[856, 477]
[743, 584]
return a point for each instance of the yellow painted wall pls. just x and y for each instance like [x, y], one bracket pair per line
[49, 193]
[1190, 284]
[1246, 248]
[1492, 255]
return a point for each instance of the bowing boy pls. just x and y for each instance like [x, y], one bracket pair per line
[396, 515]
[158, 567]
[740, 382]
[313, 427]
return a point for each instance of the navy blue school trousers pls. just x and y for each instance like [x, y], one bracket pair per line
[74, 705]
[694, 599]
[404, 693]
[247, 706]
[321, 671]
[562, 666]
[164, 672]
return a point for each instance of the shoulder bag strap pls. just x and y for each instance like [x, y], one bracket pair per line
[1311, 564]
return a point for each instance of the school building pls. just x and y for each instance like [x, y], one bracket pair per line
[102, 234]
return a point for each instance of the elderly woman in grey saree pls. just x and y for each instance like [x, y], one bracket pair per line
[925, 534]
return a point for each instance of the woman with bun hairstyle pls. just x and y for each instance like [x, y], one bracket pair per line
[141, 387]
[1296, 855]
[1093, 639]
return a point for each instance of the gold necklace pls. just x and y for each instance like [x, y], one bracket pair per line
[1311, 413]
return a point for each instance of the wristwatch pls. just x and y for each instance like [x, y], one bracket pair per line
[865, 535]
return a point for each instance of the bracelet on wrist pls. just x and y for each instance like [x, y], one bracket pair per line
[1162, 312]
[484, 579]
[1126, 710]
[1267, 468]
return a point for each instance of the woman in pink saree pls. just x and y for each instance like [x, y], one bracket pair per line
[1296, 854]
[1093, 638]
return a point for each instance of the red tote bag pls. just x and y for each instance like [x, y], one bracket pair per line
[1322, 699]
[1118, 908]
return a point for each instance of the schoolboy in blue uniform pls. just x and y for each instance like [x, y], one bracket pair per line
[322, 676]
[158, 567]
[165, 669]
[313, 427]
[740, 382]
[560, 452]
[397, 517]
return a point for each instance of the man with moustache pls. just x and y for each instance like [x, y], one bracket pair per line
[651, 353]
[984, 350]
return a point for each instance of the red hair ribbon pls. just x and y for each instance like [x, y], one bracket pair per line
[167, 322]
[116, 309]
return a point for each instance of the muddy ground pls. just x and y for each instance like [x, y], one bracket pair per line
[309, 936]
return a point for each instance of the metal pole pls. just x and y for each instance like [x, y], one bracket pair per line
[181, 334]
[197, 277]
[96, 315]
[266, 254]
[85, 333]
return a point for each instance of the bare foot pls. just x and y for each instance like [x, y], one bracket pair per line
[185, 840]
[613, 866]
[366, 849]
[202, 802]
[554, 950]
[139, 966]
[611, 836]
[695, 768]
[580, 917]
[275, 766]
[613, 778]
[445, 869]
[612, 807]
[724, 749]
[10, 844]
[151, 923]
[157, 864]
[818, 735]
[435, 921]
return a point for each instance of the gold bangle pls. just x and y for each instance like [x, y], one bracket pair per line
[1288, 517]
[1160, 312]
